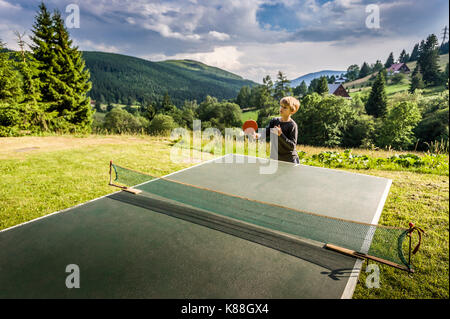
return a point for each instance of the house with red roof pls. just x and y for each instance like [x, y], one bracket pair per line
[398, 68]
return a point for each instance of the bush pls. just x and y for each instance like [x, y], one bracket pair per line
[219, 115]
[120, 121]
[360, 132]
[397, 78]
[396, 129]
[322, 121]
[161, 125]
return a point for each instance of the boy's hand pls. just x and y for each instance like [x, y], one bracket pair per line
[276, 130]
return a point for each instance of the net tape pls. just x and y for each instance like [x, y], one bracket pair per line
[375, 240]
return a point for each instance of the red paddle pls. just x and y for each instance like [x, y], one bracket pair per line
[250, 127]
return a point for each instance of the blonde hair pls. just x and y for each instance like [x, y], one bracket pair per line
[291, 102]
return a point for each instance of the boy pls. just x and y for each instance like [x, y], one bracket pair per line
[285, 130]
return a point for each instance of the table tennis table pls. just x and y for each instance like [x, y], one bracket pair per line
[123, 250]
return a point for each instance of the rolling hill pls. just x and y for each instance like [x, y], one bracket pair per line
[124, 79]
[311, 76]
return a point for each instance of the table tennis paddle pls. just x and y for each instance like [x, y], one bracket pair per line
[249, 127]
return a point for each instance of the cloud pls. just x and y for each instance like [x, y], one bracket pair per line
[219, 35]
[252, 38]
[94, 46]
[226, 57]
[4, 5]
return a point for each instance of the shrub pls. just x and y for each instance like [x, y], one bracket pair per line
[161, 125]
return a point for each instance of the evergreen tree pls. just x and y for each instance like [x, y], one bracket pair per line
[243, 98]
[429, 60]
[268, 83]
[390, 60]
[322, 88]
[365, 70]
[61, 73]
[416, 82]
[414, 53]
[167, 106]
[377, 103]
[28, 68]
[378, 66]
[10, 85]
[402, 56]
[301, 90]
[71, 82]
[313, 85]
[282, 87]
[43, 50]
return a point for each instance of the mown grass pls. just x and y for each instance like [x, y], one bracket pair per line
[249, 115]
[64, 171]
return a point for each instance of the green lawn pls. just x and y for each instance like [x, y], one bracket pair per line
[249, 115]
[41, 175]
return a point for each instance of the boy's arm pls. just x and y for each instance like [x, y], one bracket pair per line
[291, 140]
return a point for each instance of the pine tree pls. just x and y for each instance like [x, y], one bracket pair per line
[322, 88]
[301, 90]
[268, 83]
[10, 84]
[429, 60]
[416, 81]
[414, 53]
[243, 97]
[402, 56]
[377, 103]
[377, 66]
[282, 87]
[365, 70]
[28, 68]
[71, 82]
[167, 106]
[390, 60]
[42, 50]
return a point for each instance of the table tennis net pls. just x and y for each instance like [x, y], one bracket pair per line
[382, 242]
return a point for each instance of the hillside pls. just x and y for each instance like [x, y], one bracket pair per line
[311, 76]
[123, 79]
[355, 85]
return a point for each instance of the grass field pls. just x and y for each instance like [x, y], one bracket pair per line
[249, 115]
[41, 175]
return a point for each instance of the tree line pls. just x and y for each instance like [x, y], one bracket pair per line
[426, 54]
[408, 120]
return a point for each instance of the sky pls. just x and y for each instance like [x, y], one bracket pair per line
[251, 38]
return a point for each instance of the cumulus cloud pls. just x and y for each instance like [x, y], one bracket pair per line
[252, 38]
[219, 35]
[88, 45]
[226, 57]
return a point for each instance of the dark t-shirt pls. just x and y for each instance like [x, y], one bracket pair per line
[286, 141]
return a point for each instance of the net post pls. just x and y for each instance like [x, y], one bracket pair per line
[411, 225]
[110, 172]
